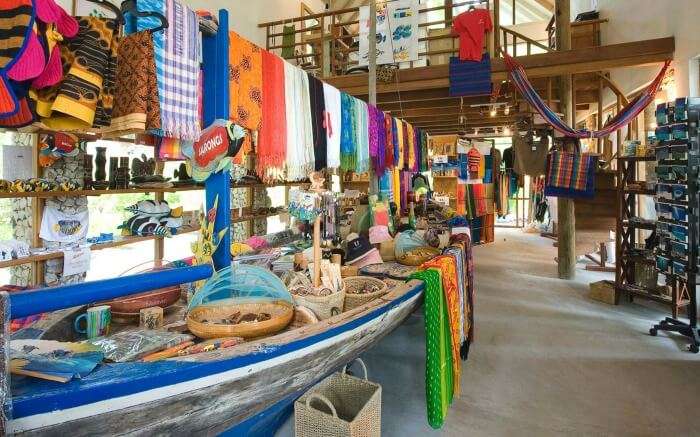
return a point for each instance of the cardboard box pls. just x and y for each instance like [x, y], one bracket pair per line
[603, 291]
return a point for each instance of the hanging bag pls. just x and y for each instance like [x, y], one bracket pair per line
[570, 174]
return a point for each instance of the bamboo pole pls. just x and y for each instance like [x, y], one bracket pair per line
[372, 77]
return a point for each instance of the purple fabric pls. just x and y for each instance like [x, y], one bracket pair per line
[372, 131]
[380, 166]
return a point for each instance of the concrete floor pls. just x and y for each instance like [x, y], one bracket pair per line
[547, 360]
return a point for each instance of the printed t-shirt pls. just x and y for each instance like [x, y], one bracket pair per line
[471, 27]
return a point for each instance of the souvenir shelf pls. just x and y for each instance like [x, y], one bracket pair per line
[79, 193]
[678, 160]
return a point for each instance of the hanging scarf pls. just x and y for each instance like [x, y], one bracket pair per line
[15, 33]
[272, 141]
[406, 146]
[317, 111]
[400, 163]
[136, 104]
[83, 99]
[396, 186]
[347, 132]
[362, 137]
[411, 141]
[448, 269]
[332, 123]
[389, 142]
[439, 386]
[381, 140]
[245, 87]
[423, 150]
[372, 132]
[300, 152]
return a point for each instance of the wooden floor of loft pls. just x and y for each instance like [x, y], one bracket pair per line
[421, 94]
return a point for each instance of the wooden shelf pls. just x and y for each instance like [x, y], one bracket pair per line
[647, 226]
[640, 191]
[637, 158]
[79, 193]
[445, 177]
[249, 217]
[263, 185]
[97, 246]
[642, 292]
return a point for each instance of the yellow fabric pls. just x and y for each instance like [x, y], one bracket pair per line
[396, 185]
[411, 146]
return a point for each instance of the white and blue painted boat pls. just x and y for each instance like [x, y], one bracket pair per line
[248, 389]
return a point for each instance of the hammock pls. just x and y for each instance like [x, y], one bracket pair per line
[622, 118]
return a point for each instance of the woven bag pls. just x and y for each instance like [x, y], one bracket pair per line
[354, 300]
[323, 306]
[340, 406]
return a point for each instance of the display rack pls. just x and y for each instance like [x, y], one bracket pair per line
[678, 159]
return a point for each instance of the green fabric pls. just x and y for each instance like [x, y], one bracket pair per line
[438, 358]
[288, 41]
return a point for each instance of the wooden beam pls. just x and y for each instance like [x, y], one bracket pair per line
[585, 60]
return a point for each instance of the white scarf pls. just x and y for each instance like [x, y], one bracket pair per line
[300, 151]
[332, 117]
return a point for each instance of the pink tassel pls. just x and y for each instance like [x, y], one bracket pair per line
[53, 73]
[31, 63]
[67, 25]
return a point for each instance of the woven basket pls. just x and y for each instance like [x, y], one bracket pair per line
[354, 300]
[347, 407]
[281, 312]
[418, 256]
[323, 306]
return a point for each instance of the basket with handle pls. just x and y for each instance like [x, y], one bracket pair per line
[340, 406]
[354, 285]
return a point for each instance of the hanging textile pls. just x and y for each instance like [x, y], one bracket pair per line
[347, 133]
[170, 149]
[272, 140]
[317, 110]
[362, 137]
[424, 151]
[468, 78]
[571, 175]
[622, 118]
[395, 141]
[461, 200]
[389, 141]
[373, 136]
[396, 186]
[448, 272]
[456, 251]
[464, 242]
[300, 151]
[439, 386]
[136, 104]
[288, 35]
[245, 88]
[15, 33]
[332, 124]
[400, 162]
[411, 142]
[83, 99]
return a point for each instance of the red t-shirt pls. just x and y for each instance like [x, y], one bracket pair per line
[471, 27]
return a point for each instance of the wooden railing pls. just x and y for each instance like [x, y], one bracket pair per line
[511, 40]
[328, 47]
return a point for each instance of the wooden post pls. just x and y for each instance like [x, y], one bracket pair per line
[566, 246]
[496, 28]
[317, 252]
[600, 141]
[159, 243]
[372, 77]
[37, 205]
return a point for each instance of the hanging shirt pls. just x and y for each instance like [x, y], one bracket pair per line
[474, 159]
[62, 227]
[471, 27]
[530, 157]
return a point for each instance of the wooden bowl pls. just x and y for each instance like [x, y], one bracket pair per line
[281, 313]
[163, 298]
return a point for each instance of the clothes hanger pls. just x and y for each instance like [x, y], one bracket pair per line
[112, 7]
[130, 6]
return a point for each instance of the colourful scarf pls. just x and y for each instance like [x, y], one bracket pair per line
[400, 162]
[83, 99]
[396, 186]
[448, 269]
[439, 386]
[411, 140]
[317, 109]
[180, 90]
[136, 104]
[245, 87]
[362, 137]
[15, 33]
[347, 132]
[389, 141]
[423, 150]
[332, 123]
[272, 141]
[300, 151]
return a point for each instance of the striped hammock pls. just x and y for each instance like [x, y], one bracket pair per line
[622, 118]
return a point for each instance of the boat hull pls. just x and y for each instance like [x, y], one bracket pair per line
[236, 398]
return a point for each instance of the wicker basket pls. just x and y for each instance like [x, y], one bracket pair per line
[349, 407]
[323, 306]
[281, 312]
[354, 300]
[417, 256]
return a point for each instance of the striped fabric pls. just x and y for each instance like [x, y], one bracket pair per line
[469, 78]
[570, 174]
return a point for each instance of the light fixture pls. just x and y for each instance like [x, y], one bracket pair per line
[493, 112]
[506, 110]
[506, 131]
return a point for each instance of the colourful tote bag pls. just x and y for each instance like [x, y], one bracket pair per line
[570, 175]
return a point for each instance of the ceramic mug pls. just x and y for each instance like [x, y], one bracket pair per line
[97, 321]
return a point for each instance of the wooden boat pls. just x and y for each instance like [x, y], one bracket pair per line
[248, 389]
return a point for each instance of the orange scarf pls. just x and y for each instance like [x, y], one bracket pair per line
[245, 87]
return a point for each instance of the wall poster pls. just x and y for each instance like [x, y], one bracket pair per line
[397, 32]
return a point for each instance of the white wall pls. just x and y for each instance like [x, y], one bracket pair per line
[635, 20]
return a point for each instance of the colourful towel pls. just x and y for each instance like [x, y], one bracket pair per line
[272, 142]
